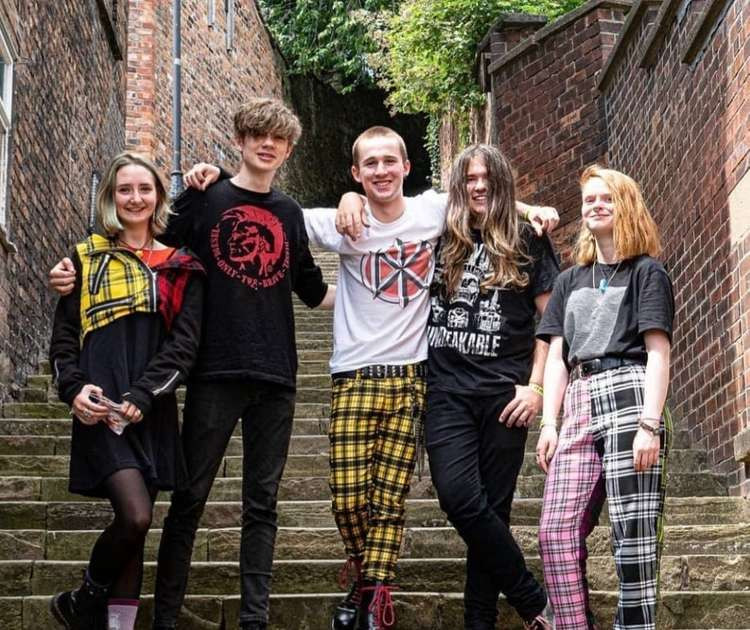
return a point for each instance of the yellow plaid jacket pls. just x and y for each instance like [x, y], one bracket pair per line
[115, 283]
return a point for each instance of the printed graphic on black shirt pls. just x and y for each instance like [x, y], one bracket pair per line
[469, 322]
[249, 245]
[398, 274]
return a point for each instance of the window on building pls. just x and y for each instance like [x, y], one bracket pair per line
[6, 102]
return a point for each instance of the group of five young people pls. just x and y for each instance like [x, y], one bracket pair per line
[423, 326]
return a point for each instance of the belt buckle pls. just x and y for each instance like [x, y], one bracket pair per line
[591, 367]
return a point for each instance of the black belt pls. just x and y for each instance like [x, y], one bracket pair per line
[385, 371]
[594, 366]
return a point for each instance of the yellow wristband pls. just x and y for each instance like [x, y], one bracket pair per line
[536, 388]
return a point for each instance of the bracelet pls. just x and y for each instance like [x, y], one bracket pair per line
[548, 422]
[648, 427]
[525, 214]
[536, 388]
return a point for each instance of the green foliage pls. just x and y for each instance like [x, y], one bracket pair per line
[330, 39]
[430, 47]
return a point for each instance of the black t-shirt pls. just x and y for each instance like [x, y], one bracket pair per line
[597, 320]
[483, 341]
[255, 251]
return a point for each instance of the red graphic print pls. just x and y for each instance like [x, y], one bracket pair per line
[400, 273]
[249, 245]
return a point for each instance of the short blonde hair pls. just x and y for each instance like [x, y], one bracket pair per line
[106, 210]
[262, 115]
[635, 231]
[378, 132]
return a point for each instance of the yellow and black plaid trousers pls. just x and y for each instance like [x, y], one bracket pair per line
[374, 423]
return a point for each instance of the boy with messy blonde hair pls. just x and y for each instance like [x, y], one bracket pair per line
[252, 241]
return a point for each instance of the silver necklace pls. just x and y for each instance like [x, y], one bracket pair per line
[604, 282]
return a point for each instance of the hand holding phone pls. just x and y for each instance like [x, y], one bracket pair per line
[116, 421]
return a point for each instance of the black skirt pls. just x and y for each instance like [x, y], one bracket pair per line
[112, 357]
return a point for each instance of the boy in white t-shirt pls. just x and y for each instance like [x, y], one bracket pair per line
[378, 366]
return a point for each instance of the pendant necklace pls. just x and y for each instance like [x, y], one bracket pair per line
[604, 282]
[141, 251]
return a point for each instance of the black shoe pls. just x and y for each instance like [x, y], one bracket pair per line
[345, 614]
[82, 609]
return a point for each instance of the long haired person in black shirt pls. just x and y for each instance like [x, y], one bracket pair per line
[493, 276]
[609, 322]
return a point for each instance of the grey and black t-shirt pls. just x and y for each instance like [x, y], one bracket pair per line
[603, 310]
[482, 341]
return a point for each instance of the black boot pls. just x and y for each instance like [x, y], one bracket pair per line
[82, 609]
[376, 610]
[345, 613]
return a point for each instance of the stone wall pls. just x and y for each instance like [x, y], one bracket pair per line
[68, 118]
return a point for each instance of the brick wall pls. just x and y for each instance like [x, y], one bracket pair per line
[68, 119]
[661, 92]
[677, 93]
[548, 117]
[250, 68]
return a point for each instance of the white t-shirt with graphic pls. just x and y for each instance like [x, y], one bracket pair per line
[382, 292]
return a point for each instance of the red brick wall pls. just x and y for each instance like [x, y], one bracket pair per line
[669, 103]
[251, 68]
[548, 115]
[681, 127]
[68, 119]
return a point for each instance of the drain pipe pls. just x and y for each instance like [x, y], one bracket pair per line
[176, 176]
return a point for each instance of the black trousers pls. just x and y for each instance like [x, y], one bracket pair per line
[211, 413]
[474, 462]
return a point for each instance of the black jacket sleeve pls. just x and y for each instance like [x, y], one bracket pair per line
[171, 365]
[64, 348]
[181, 226]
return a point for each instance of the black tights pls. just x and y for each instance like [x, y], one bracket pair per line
[117, 557]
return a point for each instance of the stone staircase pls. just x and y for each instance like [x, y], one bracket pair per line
[46, 533]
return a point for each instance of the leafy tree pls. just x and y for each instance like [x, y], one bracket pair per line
[331, 39]
[430, 47]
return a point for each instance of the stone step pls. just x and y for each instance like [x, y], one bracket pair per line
[316, 488]
[308, 467]
[684, 610]
[309, 445]
[58, 411]
[40, 510]
[315, 424]
[45, 577]
[318, 543]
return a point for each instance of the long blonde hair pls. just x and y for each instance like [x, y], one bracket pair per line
[499, 226]
[635, 231]
[105, 197]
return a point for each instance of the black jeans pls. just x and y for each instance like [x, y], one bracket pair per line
[211, 412]
[474, 462]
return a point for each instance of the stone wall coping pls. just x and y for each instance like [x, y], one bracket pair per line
[655, 38]
[510, 19]
[635, 15]
[556, 26]
[702, 29]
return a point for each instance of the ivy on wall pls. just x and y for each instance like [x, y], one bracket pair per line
[330, 39]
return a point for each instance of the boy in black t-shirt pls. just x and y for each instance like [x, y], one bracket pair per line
[251, 239]
[493, 275]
